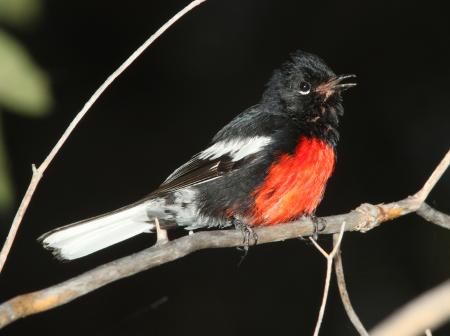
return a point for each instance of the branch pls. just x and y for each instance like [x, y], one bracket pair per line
[39, 172]
[362, 219]
[329, 256]
[339, 270]
[428, 311]
[434, 216]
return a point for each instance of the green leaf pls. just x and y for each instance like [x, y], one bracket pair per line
[6, 189]
[20, 12]
[24, 87]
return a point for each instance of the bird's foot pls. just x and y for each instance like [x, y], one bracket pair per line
[248, 234]
[319, 225]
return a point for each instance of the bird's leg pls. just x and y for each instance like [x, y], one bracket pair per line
[247, 233]
[319, 225]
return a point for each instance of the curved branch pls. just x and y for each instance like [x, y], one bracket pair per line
[329, 257]
[364, 218]
[434, 216]
[345, 298]
[428, 311]
[42, 300]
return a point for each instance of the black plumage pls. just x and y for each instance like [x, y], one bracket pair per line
[217, 186]
[284, 115]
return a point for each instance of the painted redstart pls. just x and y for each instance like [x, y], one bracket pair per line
[269, 165]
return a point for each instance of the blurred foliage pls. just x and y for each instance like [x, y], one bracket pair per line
[19, 12]
[6, 195]
[24, 87]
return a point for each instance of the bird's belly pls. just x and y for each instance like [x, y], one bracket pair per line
[294, 184]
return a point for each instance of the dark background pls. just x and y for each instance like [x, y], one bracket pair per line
[209, 67]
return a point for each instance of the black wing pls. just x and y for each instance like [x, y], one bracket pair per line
[196, 171]
[202, 168]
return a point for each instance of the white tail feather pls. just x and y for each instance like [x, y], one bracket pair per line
[80, 239]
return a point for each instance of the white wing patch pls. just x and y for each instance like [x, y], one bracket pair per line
[237, 148]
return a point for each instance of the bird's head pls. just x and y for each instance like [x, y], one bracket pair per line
[308, 90]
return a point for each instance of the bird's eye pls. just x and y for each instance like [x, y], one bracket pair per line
[305, 88]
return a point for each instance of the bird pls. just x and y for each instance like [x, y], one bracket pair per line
[269, 165]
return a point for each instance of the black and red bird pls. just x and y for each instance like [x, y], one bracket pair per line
[269, 165]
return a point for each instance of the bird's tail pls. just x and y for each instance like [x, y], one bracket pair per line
[85, 237]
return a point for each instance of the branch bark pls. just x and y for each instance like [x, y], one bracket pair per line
[363, 219]
[434, 216]
[345, 298]
[39, 171]
[329, 257]
[45, 299]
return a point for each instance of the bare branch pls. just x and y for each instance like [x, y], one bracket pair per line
[38, 172]
[362, 219]
[410, 204]
[433, 179]
[428, 311]
[434, 216]
[71, 289]
[339, 270]
[329, 257]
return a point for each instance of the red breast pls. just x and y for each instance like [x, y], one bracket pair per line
[295, 183]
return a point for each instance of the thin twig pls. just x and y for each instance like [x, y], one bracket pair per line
[329, 257]
[38, 173]
[434, 216]
[433, 179]
[428, 311]
[410, 204]
[339, 270]
[362, 219]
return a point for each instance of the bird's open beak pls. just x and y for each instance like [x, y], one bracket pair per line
[335, 84]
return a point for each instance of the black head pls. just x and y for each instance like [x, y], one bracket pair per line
[308, 91]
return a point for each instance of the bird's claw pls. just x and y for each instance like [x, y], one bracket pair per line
[248, 234]
[319, 225]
